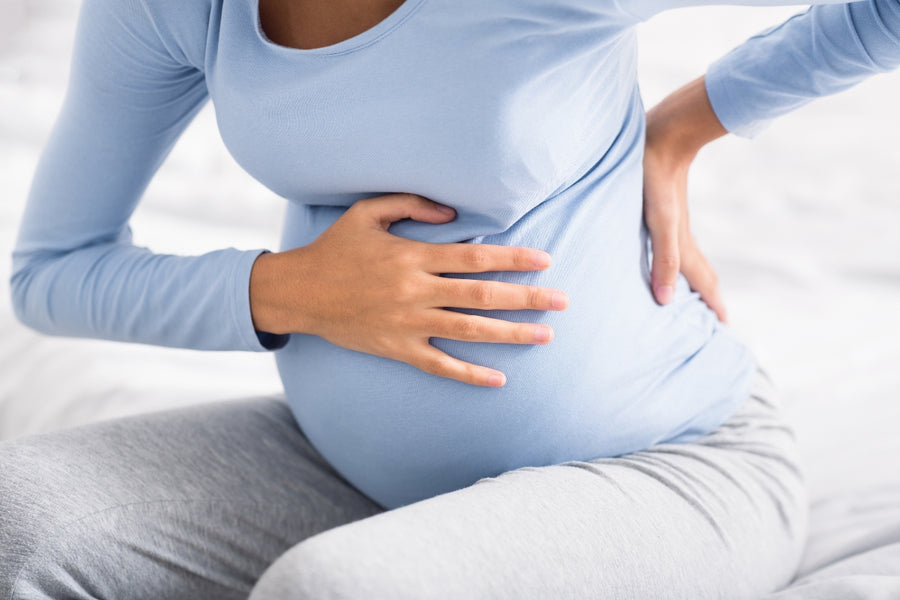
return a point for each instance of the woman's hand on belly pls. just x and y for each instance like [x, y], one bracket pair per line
[362, 288]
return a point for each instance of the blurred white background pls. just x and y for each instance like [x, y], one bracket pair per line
[801, 224]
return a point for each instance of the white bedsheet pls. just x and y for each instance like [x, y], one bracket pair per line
[801, 224]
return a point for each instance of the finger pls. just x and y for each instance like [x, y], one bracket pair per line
[498, 295]
[666, 261]
[381, 211]
[715, 301]
[431, 360]
[703, 279]
[480, 258]
[474, 328]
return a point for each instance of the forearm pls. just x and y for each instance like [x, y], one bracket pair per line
[121, 292]
[823, 51]
[644, 9]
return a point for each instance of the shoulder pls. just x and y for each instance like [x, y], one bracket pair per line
[183, 26]
[172, 30]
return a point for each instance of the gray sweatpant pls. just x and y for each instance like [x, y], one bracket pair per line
[216, 501]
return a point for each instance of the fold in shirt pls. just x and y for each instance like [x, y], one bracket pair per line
[524, 115]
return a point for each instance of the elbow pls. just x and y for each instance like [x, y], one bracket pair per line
[890, 22]
[26, 307]
[878, 32]
[18, 289]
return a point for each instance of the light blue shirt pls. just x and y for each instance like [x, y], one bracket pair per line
[524, 115]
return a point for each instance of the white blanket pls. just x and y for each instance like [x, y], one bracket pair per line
[801, 225]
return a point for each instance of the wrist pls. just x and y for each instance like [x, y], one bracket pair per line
[680, 125]
[266, 283]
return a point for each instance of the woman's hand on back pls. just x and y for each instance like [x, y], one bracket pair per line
[362, 288]
[676, 130]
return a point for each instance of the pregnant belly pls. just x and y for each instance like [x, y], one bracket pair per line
[621, 374]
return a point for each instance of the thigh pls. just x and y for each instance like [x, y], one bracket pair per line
[191, 504]
[722, 517]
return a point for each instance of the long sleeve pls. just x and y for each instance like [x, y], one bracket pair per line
[820, 52]
[75, 271]
[642, 10]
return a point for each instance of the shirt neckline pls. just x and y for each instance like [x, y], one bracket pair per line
[351, 44]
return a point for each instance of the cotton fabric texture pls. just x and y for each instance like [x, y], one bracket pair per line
[199, 503]
[524, 116]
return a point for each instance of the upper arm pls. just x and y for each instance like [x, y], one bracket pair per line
[127, 101]
[137, 79]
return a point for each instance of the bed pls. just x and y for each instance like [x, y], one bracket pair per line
[801, 225]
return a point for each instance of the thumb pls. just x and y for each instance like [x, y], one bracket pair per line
[381, 211]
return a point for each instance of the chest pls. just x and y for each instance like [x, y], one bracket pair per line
[308, 24]
[484, 105]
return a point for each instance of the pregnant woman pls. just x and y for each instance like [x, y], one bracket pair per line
[463, 420]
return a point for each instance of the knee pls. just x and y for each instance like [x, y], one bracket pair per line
[313, 570]
[32, 506]
[337, 565]
[47, 500]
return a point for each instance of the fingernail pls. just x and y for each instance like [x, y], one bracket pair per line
[541, 259]
[664, 293]
[542, 334]
[496, 380]
[559, 300]
[445, 209]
